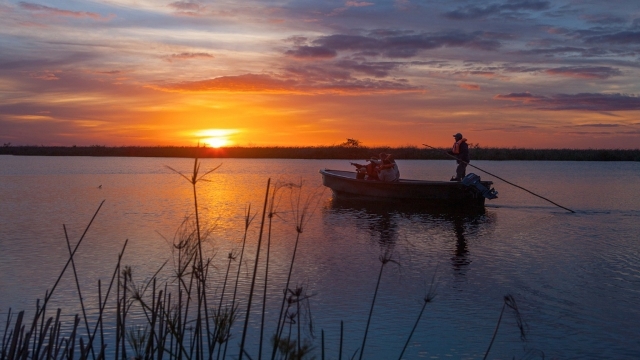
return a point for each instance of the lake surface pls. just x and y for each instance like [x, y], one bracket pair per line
[575, 277]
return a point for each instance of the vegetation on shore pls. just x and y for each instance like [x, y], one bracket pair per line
[343, 151]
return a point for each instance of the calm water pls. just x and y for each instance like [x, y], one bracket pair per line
[575, 277]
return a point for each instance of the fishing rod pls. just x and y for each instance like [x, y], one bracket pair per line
[508, 182]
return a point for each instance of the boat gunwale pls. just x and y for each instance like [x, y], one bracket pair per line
[332, 172]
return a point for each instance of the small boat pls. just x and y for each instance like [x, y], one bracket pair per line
[470, 192]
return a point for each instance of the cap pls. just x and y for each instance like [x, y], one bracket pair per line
[458, 136]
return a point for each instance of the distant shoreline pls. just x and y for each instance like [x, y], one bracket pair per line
[325, 152]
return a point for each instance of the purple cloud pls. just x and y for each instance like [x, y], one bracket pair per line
[604, 19]
[47, 10]
[619, 38]
[188, 56]
[189, 8]
[585, 72]
[476, 12]
[358, 3]
[302, 83]
[582, 101]
[312, 52]
[375, 69]
[406, 45]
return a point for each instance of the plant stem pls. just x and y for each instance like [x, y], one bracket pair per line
[255, 271]
[364, 340]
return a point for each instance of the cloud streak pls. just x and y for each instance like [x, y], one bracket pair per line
[189, 56]
[405, 45]
[472, 12]
[51, 11]
[581, 101]
[260, 83]
[582, 72]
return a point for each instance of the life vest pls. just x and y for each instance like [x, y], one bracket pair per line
[456, 146]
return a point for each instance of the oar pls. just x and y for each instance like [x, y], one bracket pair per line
[510, 183]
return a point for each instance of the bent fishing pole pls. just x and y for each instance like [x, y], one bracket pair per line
[508, 182]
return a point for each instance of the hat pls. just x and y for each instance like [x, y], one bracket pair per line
[458, 136]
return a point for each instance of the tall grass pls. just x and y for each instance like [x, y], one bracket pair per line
[183, 317]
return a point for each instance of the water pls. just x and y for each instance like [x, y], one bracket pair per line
[575, 277]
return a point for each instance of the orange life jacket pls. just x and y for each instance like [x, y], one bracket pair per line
[456, 146]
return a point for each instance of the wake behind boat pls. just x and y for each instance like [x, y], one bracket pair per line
[468, 192]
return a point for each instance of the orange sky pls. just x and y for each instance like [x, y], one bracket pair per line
[510, 73]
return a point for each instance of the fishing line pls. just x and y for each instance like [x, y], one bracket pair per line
[508, 182]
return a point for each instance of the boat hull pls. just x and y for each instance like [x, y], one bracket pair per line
[344, 184]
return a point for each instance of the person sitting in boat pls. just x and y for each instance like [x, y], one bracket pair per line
[388, 169]
[461, 151]
[368, 171]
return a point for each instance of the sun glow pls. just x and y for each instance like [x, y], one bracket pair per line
[216, 138]
[216, 142]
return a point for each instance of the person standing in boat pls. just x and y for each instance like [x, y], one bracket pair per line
[388, 169]
[461, 151]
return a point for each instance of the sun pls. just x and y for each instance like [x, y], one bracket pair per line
[216, 142]
[216, 138]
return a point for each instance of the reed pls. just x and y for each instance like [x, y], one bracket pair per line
[180, 317]
[428, 298]
[384, 260]
[509, 302]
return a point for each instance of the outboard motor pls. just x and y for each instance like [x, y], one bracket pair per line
[474, 180]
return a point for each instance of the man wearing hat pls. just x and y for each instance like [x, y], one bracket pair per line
[461, 152]
[388, 169]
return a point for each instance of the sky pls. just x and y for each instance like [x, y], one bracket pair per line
[504, 73]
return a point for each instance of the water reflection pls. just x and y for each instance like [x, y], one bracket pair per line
[460, 260]
[386, 224]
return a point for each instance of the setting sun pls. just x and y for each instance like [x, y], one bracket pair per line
[216, 138]
[216, 142]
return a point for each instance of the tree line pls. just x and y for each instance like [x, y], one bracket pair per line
[342, 151]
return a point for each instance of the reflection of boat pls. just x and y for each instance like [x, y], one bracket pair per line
[414, 225]
[420, 192]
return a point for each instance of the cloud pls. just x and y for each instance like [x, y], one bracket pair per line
[239, 83]
[476, 12]
[188, 8]
[358, 3]
[618, 38]
[582, 101]
[488, 74]
[44, 75]
[51, 11]
[525, 97]
[406, 45]
[260, 83]
[472, 87]
[52, 60]
[312, 52]
[375, 69]
[297, 40]
[559, 50]
[583, 72]
[188, 56]
[599, 125]
[310, 73]
[604, 19]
